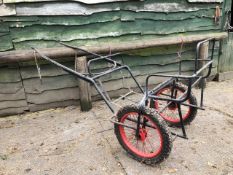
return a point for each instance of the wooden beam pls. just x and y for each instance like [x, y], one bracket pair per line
[84, 87]
[204, 52]
[61, 52]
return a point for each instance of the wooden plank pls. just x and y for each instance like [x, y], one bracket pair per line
[84, 87]
[156, 59]
[9, 75]
[10, 88]
[228, 5]
[19, 95]
[18, 19]
[53, 96]
[230, 50]
[23, 21]
[47, 70]
[68, 8]
[150, 69]
[12, 111]
[4, 27]
[83, 1]
[6, 42]
[163, 50]
[7, 9]
[12, 104]
[26, 55]
[131, 15]
[206, 1]
[110, 29]
[24, 45]
[35, 86]
[114, 87]
[72, 8]
[68, 61]
[109, 86]
[225, 60]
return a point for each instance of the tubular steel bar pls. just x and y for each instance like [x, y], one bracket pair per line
[81, 76]
[93, 80]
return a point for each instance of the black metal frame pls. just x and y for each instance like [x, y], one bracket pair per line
[93, 78]
[148, 95]
[192, 81]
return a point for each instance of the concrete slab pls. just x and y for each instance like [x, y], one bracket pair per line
[67, 141]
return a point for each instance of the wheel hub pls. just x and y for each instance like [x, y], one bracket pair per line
[172, 106]
[142, 134]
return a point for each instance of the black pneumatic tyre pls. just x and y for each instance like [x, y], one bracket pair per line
[153, 144]
[171, 114]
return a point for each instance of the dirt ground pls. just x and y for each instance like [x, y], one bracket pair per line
[65, 141]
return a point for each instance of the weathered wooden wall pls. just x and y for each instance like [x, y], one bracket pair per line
[41, 24]
[225, 67]
[12, 95]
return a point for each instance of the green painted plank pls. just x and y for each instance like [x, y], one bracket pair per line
[105, 17]
[99, 41]
[9, 75]
[67, 61]
[4, 27]
[5, 42]
[157, 59]
[54, 96]
[10, 88]
[18, 18]
[227, 55]
[231, 51]
[34, 86]
[161, 50]
[47, 70]
[64, 20]
[205, 1]
[115, 28]
[148, 69]
[19, 95]
[228, 5]
[131, 16]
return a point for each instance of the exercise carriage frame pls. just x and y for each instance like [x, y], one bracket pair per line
[145, 120]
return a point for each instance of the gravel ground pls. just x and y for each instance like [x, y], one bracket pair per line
[67, 141]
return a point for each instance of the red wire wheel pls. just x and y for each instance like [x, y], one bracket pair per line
[147, 141]
[171, 113]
